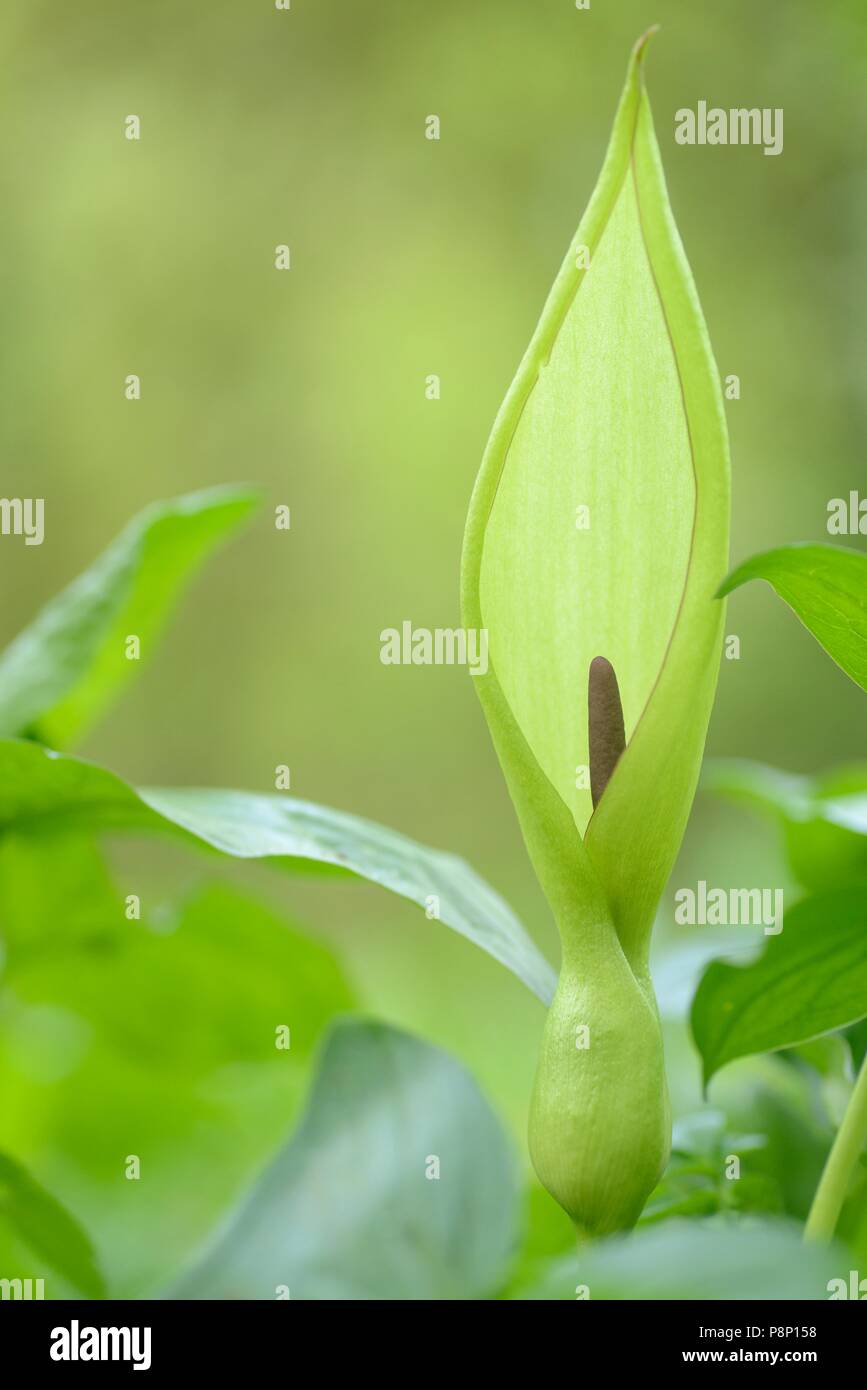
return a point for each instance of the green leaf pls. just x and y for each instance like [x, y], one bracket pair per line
[60, 673]
[824, 819]
[617, 407]
[40, 789]
[810, 980]
[45, 1229]
[155, 1038]
[826, 586]
[350, 1208]
[686, 1260]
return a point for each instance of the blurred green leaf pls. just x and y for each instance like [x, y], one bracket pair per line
[702, 1135]
[548, 1233]
[699, 1180]
[830, 850]
[810, 980]
[756, 784]
[349, 1209]
[47, 1229]
[155, 1038]
[856, 1038]
[40, 789]
[54, 888]
[826, 586]
[678, 964]
[786, 1104]
[60, 673]
[680, 1195]
[706, 1259]
[824, 818]
[826, 1055]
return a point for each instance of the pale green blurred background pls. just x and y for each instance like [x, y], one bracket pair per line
[409, 257]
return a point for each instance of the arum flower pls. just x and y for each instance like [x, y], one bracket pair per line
[596, 539]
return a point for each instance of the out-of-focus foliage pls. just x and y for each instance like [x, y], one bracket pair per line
[710, 1171]
[709, 1259]
[35, 1230]
[824, 818]
[399, 1184]
[153, 1038]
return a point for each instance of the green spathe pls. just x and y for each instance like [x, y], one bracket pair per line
[615, 418]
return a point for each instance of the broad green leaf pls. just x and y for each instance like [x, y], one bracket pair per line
[826, 586]
[60, 673]
[824, 819]
[685, 1260]
[399, 1184]
[40, 790]
[44, 1233]
[155, 1038]
[810, 980]
[616, 407]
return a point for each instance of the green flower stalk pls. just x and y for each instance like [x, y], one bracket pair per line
[596, 539]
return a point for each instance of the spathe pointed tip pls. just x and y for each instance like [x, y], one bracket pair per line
[640, 49]
[635, 70]
[644, 40]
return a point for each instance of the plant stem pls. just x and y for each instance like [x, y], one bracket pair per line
[845, 1152]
